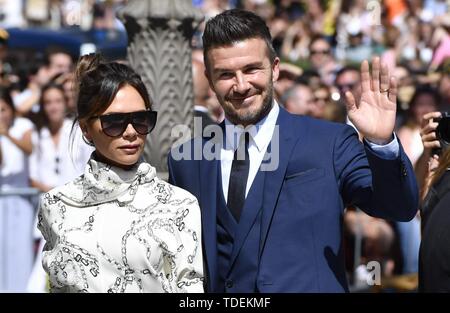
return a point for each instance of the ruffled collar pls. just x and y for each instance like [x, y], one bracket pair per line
[104, 183]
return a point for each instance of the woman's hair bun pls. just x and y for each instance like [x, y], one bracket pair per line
[86, 64]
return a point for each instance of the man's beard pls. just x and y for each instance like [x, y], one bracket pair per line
[251, 118]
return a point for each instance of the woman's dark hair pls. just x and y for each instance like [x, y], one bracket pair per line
[41, 119]
[97, 83]
[424, 90]
[233, 26]
[5, 95]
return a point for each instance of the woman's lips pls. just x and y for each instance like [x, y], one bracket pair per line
[130, 149]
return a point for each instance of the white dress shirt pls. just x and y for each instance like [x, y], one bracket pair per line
[260, 136]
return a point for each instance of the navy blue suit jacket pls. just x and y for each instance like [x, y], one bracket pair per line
[323, 168]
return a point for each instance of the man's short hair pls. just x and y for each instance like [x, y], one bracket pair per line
[235, 25]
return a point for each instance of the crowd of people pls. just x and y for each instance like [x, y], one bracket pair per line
[321, 45]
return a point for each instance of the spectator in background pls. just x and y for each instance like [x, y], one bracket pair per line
[201, 95]
[391, 53]
[66, 80]
[17, 213]
[322, 59]
[348, 79]
[357, 49]
[27, 101]
[377, 240]
[289, 73]
[58, 61]
[323, 107]
[298, 99]
[315, 16]
[441, 42]
[52, 163]
[296, 41]
[406, 86]
[424, 100]
[444, 86]
[435, 249]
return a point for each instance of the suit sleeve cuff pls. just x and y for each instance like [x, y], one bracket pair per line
[388, 151]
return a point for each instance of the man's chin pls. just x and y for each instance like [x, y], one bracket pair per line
[244, 117]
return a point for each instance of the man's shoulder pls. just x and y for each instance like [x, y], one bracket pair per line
[317, 127]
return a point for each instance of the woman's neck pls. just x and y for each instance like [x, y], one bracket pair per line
[54, 127]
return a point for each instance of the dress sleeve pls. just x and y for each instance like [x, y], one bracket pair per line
[44, 225]
[189, 262]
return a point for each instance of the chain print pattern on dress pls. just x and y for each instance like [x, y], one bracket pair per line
[158, 228]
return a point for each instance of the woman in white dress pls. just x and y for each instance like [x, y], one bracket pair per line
[16, 212]
[118, 228]
[54, 161]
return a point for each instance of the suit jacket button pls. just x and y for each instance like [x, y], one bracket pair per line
[404, 171]
[229, 283]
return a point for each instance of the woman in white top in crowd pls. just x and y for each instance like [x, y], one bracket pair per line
[16, 212]
[424, 100]
[118, 227]
[52, 163]
[54, 160]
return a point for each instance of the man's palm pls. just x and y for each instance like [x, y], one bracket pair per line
[374, 115]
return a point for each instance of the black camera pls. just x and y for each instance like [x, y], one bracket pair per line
[443, 130]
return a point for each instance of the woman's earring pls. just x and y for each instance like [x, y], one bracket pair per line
[88, 142]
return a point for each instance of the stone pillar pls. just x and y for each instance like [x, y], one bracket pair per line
[159, 36]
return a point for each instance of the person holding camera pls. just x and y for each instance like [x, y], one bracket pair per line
[434, 255]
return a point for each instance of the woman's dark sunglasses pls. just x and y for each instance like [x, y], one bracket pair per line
[114, 124]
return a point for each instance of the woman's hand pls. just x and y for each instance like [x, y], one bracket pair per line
[429, 140]
[428, 131]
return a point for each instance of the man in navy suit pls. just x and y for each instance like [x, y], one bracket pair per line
[274, 192]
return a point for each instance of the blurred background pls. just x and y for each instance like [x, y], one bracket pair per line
[321, 44]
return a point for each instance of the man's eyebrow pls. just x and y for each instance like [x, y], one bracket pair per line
[254, 64]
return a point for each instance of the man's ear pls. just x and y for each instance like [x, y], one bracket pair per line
[275, 69]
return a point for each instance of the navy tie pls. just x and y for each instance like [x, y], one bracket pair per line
[238, 178]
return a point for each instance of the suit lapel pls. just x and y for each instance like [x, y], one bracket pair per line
[289, 135]
[209, 180]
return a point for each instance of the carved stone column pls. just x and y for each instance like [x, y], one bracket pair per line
[159, 36]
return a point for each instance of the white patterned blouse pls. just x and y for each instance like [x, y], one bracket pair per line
[112, 230]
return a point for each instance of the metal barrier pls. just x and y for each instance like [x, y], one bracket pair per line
[25, 192]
